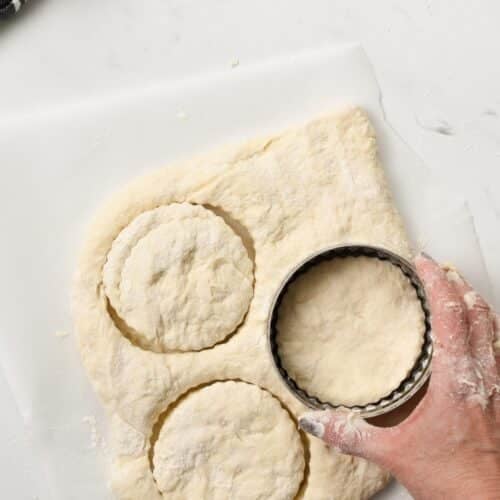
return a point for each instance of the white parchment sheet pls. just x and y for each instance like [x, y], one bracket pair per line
[59, 165]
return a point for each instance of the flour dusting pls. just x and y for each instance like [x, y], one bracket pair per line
[471, 299]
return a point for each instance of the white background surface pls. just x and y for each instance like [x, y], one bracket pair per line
[435, 61]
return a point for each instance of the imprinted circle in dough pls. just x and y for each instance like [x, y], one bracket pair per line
[228, 440]
[179, 277]
[350, 330]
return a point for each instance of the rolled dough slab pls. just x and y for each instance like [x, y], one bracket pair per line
[316, 185]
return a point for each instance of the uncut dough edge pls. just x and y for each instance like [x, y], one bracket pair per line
[286, 191]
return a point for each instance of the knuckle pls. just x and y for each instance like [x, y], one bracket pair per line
[453, 306]
[475, 302]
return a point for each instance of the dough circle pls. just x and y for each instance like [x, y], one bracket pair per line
[179, 278]
[350, 330]
[228, 440]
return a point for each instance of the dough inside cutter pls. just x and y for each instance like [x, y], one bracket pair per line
[350, 330]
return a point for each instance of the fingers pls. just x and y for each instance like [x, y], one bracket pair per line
[348, 433]
[463, 328]
[481, 330]
[448, 312]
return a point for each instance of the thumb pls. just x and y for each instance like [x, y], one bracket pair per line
[348, 433]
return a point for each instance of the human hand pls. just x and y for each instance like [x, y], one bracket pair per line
[449, 447]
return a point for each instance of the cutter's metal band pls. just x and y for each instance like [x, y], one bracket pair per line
[421, 370]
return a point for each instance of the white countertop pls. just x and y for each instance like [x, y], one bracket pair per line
[436, 62]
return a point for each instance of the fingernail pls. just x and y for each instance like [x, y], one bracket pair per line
[496, 320]
[471, 298]
[312, 426]
[454, 276]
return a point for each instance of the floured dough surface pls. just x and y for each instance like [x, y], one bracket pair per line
[228, 440]
[350, 330]
[191, 308]
[179, 277]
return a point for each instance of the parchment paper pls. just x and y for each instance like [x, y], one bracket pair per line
[59, 165]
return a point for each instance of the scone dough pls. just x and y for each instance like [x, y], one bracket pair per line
[179, 278]
[285, 197]
[350, 330]
[228, 440]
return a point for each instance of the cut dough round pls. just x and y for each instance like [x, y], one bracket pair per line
[179, 277]
[350, 330]
[229, 440]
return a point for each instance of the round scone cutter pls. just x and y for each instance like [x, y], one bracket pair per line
[421, 369]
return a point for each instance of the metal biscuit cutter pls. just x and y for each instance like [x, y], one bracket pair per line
[420, 371]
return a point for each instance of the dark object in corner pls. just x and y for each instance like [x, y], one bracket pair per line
[9, 7]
